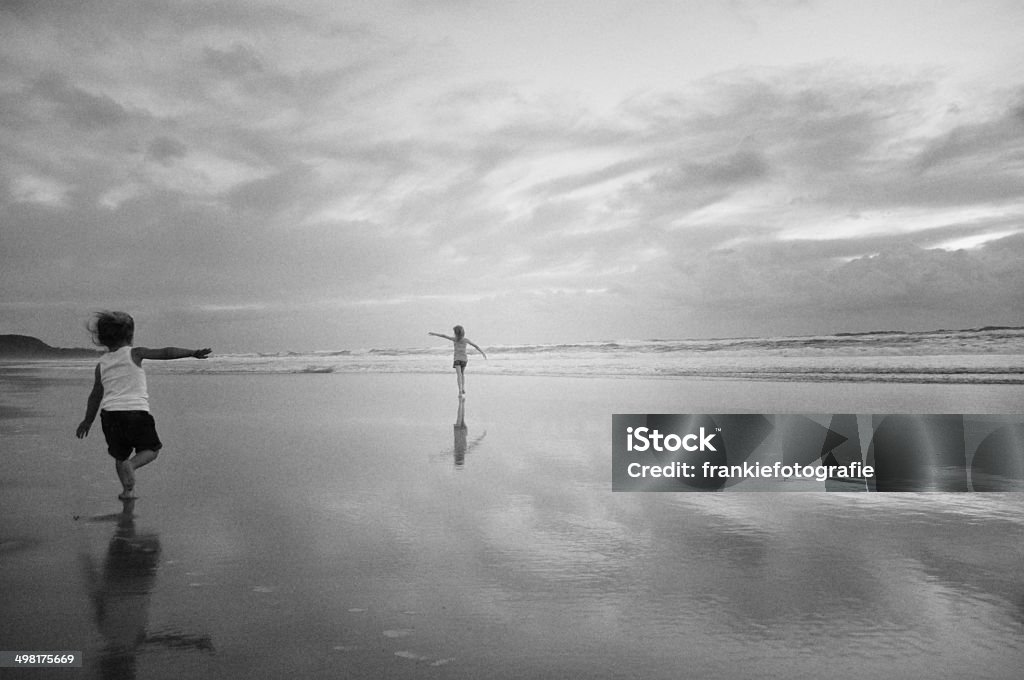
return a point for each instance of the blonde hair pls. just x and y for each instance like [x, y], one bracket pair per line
[460, 332]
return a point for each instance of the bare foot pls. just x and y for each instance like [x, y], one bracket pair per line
[127, 474]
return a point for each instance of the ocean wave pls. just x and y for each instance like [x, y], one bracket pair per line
[316, 369]
[990, 339]
[537, 366]
[990, 355]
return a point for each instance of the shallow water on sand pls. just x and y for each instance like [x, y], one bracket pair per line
[343, 526]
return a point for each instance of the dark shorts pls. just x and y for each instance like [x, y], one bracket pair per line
[459, 362]
[128, 431]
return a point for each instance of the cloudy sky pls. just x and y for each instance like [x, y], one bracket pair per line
[316, 174]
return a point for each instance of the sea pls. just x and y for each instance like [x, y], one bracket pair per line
[990, 355]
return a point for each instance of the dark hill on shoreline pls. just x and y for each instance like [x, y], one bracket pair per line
[27, 347]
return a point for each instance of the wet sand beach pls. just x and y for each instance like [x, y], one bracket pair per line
[348, 525]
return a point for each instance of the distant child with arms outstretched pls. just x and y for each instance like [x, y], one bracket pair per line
[121, 397]
[461, 357]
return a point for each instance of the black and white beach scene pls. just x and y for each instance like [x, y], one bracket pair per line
[317, 319]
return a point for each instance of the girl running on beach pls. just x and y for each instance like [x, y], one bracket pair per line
[121, 397]
[461, 358]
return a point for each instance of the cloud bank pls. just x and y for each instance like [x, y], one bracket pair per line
[289, 176]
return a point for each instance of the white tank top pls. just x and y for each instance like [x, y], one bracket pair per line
[124, 383]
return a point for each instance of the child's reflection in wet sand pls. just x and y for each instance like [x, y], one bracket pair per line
[461, 433]
[121, 592]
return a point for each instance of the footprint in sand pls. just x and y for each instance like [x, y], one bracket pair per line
[398, 632]
[347, 648]
[418, 658]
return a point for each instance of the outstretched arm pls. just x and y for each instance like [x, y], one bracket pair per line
[92, 406]
[167, 353]
[442, 335]
[476, 346]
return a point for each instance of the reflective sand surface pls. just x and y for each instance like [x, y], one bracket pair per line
[361, 526]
